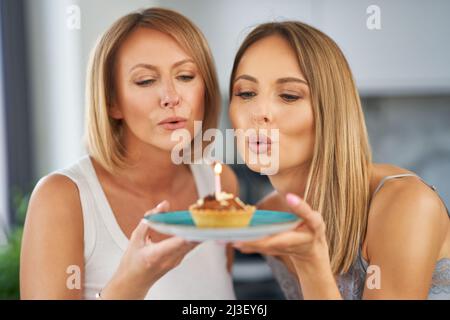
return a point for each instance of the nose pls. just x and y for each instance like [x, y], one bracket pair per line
[262, 114]
[169, 96]
[263, 119]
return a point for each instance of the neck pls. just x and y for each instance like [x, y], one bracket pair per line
[150, 168]
[292, 180]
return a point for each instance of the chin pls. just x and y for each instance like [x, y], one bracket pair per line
[169, 145]
[266, 167]
[263, 169]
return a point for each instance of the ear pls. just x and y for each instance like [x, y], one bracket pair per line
[115, 112]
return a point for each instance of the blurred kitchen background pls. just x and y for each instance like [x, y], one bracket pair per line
[402, 70]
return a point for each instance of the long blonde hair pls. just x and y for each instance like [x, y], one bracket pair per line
[338, 180]
[103, 132]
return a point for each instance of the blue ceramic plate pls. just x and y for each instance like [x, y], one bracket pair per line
[263, 223]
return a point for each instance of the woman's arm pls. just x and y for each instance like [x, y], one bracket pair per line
[406, 229]
[52, 261]
[52, 245]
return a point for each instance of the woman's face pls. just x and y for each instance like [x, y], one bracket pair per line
[159, 88]
[270, 92]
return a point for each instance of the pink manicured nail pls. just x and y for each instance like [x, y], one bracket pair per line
[292, 199]
[160, 204]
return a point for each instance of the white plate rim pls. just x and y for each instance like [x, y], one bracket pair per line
[193, 233]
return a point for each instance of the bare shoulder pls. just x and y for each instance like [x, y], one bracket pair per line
[55, 208]
[55, 191]
[409, 197]
[52, 240]
[406, 208]
[406, 231]
[54, 182]
[403, 194]
[229, 180]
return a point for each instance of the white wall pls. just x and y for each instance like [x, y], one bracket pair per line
[226, 23]
[56, 92]
[98, 15]
[408, 55]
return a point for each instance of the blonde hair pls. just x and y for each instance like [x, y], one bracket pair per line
[104, 133]
[338, 180]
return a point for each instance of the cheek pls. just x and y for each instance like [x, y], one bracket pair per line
[297, 135]
[140, 110]
[298, 123]
[232, 114]
[239, 116]
[137, 104]
[193, 98]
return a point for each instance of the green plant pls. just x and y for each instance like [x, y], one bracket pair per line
[10, 253]
[9, 266]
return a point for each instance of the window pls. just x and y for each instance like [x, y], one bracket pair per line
[15, 145]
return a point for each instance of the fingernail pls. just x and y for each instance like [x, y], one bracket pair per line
[292, 199]
[159, 206]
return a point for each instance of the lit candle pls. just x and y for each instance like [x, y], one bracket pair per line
[218, 171]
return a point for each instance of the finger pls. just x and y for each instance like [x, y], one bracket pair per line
[254, 244]
[169, 247]
[164, 206]
[140, 234]
[280, 244]
[310, 217]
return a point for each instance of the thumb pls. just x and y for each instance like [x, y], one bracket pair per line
[164, 206]
[302, 209]
[140, 234]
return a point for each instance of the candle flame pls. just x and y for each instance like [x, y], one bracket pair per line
[218, 168]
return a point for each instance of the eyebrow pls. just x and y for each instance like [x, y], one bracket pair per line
[291, 79]
[152, 67]
[279, 81]
[246, 77]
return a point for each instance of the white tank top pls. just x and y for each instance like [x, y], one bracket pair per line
[203, 272]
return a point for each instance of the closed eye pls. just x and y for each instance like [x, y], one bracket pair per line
[185, 78]
[246, 95]
[289, 97]
[145, 83]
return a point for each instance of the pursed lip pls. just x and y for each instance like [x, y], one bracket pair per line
[173, 123]
[259, 143]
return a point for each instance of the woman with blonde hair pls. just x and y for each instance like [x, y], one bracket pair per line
[372, 231]
[150, 74]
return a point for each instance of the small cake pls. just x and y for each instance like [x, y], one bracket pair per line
[222, 211]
